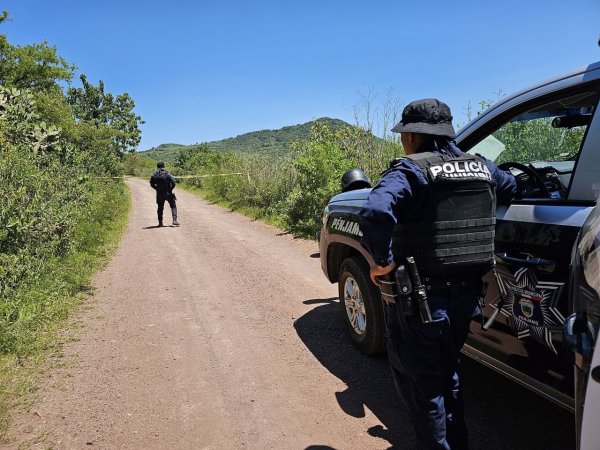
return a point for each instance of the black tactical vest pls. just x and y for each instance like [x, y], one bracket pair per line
[452, 230]
[161, 178]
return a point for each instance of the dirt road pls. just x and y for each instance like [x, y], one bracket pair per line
[224, 334]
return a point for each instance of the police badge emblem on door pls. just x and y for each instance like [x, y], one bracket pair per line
[531, 305]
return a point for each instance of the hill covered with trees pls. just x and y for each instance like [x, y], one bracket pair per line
[275, 142]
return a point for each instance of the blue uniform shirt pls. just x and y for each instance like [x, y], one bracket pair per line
[401, 189]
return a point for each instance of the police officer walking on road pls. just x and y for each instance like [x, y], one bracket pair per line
[164, 183]
[433, 210]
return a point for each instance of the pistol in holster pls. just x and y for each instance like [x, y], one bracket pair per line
[419, 294]
[404, 290]
[412, 295]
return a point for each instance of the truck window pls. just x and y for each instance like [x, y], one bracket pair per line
[547, 137]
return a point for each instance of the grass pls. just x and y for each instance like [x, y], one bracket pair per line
[48, 300]
[252, 212]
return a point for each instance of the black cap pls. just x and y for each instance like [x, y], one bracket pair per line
[160, 164]
[427, 116]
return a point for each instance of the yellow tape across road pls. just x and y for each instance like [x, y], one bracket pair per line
[178, 177]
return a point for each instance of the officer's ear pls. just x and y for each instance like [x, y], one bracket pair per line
[411, 142]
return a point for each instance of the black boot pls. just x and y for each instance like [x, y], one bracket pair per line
[174, 213]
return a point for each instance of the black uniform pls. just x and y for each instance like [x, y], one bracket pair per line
[164, 183]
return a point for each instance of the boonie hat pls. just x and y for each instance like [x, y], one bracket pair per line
[427, 116]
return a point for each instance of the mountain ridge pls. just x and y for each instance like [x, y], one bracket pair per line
[276, 141]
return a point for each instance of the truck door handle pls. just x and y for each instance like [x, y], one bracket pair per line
[547, 265]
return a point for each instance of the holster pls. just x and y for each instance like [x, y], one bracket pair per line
[404, 289]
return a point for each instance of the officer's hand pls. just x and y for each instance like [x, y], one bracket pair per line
[378, 271]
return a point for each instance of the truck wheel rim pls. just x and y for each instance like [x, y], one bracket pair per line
[355, 306]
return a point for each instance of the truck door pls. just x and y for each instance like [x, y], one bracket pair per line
[543, 143]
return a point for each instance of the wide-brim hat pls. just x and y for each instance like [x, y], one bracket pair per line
[427, 116]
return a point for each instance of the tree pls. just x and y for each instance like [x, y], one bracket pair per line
[195, 158]
[92, 105]
[37, 67]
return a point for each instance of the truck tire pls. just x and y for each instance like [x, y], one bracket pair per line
[361, 306]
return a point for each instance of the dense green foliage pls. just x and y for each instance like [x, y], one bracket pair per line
[138, 165]
[289, 189]
[271, 142]
[94, 106]
[59, 202]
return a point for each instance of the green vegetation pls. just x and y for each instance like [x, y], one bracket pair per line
[283, 176]
[36, 309]
[164, 152]
[538, 140]
[276, 143]
[60, 209]
[138, 165]
[290, 189]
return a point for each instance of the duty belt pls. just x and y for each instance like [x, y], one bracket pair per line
[441, 282]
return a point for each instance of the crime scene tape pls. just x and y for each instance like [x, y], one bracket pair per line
[178, 177]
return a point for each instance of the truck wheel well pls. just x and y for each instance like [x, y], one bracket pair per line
[336, 254]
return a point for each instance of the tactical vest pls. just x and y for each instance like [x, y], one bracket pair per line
[452, 230]
[163, 183]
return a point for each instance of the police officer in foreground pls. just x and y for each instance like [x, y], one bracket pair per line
[164, 183]
[433, 213]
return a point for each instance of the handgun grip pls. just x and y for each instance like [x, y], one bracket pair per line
[403, 284]
[414, 273]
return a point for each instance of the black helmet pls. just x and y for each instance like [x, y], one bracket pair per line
[355, 179]
[160, 165]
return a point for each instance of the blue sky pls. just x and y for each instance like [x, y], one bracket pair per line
[210, 69]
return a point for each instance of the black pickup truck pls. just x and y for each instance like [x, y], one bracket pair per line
[548, 136]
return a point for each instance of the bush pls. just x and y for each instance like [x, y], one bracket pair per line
[46, 197]
[319, 165]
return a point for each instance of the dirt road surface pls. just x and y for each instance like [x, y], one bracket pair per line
[223, 333]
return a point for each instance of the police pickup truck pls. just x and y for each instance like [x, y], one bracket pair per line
[548, 136]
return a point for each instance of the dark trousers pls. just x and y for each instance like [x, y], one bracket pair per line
[161, 197]
[424, 363]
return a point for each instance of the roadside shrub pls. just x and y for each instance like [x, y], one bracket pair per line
[319, 165]
[49, 192]
[59, 202]
[138, 165]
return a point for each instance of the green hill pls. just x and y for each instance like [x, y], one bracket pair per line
[264, 141]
